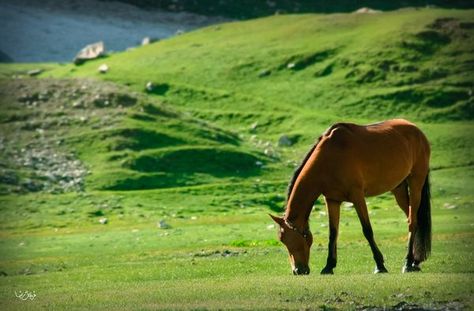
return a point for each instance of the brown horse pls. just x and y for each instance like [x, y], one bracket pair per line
[348, 163]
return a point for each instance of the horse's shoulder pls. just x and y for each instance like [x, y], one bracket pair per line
[338, 128]
[338, 134]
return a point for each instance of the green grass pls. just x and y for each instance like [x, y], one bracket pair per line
[201, 153]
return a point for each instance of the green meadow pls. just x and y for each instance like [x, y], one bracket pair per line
[115, 196]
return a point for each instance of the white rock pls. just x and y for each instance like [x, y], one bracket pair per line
[103, 68]
[366, 10]
[89, 52]
[253, 127]
[148, 40]
[149, 86]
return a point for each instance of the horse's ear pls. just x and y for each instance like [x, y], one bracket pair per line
[278, 220]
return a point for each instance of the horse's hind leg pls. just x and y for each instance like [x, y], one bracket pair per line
[361, 208]
[419, 216]
[334, 209]
[403, 200]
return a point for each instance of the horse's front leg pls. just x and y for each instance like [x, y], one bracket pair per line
[333, 209]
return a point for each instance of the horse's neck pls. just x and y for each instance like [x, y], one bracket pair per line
[301, 203]
[305, 191]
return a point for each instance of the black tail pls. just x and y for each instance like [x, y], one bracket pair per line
[422, 240]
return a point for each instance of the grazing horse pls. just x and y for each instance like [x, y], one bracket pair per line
[348, 163]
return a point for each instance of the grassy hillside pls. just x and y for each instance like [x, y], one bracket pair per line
[416, 63]
[119, 196]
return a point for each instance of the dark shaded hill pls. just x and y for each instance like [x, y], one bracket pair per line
[245, 9]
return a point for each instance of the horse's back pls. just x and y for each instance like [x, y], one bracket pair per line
[375, 157]
[379, 138]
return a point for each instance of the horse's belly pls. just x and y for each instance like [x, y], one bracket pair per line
[376, 185]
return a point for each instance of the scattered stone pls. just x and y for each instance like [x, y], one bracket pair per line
[227, 253]
[149, 86]
[449, 206]
[366, 10]
[31, 185]
[254, 126]
[148, 40]
[103, 221]
[163, 225]
[291, 65]
[103, 68]
[91, 51]
[264, 73]
[285, 141]
[8, 177]
[53, 171]
[78, 104]
[224, 253]
[34, 72]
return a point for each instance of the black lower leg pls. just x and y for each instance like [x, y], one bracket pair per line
[378, 257]
[332, 253]
[411, 265]
[410, 257]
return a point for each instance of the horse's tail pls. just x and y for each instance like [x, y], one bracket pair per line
[422, 240]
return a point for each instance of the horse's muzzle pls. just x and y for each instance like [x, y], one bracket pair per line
[301, 271]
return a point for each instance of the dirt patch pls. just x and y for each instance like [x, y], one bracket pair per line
[38, 117]
[407, 306]
[218, 253]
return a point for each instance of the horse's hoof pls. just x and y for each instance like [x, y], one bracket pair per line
[408, 269]
[327, 271]
[380, 270]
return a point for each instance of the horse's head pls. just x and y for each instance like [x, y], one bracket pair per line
[298, 242]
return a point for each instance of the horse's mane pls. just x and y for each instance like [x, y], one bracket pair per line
[298, 170]
[300, 167]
